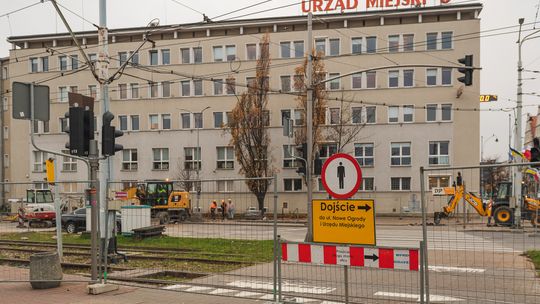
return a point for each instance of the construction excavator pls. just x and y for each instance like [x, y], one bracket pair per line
[498, 207]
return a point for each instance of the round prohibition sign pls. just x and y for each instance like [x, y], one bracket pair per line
[341, 176]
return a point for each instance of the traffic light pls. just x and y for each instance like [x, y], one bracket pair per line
[109, 135]
[49, 169]
[302, 152]
[467, 71]
[80, 129]
[317, 167]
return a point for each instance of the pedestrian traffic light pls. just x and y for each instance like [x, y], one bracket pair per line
[302, 152]
[80, 129]
[109, 135]
[468, 70]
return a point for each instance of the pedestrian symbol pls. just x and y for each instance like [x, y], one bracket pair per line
[341, 176]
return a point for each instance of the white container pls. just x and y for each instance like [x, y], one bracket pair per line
[134, 217]
[88, 218]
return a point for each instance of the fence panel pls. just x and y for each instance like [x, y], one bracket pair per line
[476, 252]
[28, 226]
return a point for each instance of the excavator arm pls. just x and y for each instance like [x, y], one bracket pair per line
[456, 197]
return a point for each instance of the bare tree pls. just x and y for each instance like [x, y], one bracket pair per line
[249, 129]
[344, 132]
[186, 177]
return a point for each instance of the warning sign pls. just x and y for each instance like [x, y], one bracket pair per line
[344, 221]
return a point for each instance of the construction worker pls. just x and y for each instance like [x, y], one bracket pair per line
[162, 194]
[223, 209]
[213, 208]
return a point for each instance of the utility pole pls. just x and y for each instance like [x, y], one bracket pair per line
[2, 139]
[309, 123]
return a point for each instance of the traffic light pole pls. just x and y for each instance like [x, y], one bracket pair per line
[93, 156]
[309, 123]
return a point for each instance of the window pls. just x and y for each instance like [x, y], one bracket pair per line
[320, 46]
[334, 116]
[431, 112]
[327, 150]
[219, 121]
[62, 63]
[231, 86]
[154, 121]
[368, 184]
[334, 47]
[122, 58]
[153, 89]
[34, 65]
[431, 41]
[63, 91]
[285, 49]
[192, 160]
[357, 81]
[446, 40]
[123, 122]
[438, 153]
[225, 157]
[393, 79]
[218, 53]
[134, 122]
[364, 154]
[74, 89]
[39, 161]
[74, 62]
[92, 89]
[46, 128]
[371, 45]
[446, 76]
[335, 83]
[299, 49]
[160, 159]
[439, 181]
[197, 55]
[371, 80]
[289, 161]
[185, 54]
[45, 64]
[408, 42]
[299, 117]
[401, 154]
[251, 51]
[356, 115]
[431, 77]
[186, 120]
[371, 114]
[356, 45]
[218, 86]
[292, 184]
[122, 91]
[285, 84]
[166, 121]
[393, 114]
[64, 124]
[231, 52]
[129, 160]
[68, 164]
[225, 186]
[134, 90]
[186, 87]
[393, 43]
[134, 58]
[446, 112]
[166, 89]
[408, 113]
[400, 183]
[198, 120]
[153, 57]
[408, 78]
[92, 58]
[165, 56]
[251, 82]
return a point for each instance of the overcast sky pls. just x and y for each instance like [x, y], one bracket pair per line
[499, 52]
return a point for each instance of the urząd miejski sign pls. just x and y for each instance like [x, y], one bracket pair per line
[342, 5]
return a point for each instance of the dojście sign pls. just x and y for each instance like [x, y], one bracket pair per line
[342, 5]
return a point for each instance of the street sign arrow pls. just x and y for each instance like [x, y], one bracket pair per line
[371, 257]
[366, 208]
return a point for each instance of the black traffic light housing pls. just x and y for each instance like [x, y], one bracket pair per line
[467, 71]
[109, 135]
[302, 151]
[80, 129]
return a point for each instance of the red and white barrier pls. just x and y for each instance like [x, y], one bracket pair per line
[404, 259]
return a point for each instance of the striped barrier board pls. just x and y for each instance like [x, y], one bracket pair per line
[383, 258]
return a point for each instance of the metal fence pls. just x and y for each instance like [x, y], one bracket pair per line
[477, 251]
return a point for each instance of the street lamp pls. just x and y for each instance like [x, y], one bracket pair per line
[198, 150]
[517, 133]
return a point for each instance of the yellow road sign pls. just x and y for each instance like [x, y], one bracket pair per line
[344, 221]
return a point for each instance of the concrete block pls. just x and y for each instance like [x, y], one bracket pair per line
[97, 289]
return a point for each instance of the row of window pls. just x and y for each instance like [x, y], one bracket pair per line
[287, 49]
[401, 154]
[367, 184]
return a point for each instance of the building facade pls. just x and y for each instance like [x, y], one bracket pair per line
[179, 91]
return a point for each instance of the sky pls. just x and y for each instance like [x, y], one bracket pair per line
[498, 52]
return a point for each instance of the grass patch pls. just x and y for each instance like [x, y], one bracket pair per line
[535, 258]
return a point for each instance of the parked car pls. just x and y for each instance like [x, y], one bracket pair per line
[252, 213]
[76, 221]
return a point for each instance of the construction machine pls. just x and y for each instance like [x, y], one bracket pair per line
[499, 207]
[167, 204]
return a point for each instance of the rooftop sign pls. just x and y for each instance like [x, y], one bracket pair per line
[315, 6]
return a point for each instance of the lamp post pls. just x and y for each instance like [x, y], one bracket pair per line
[518, 142]
[198, 151]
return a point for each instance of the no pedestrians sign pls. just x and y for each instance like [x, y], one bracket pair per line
[341, 176]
